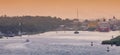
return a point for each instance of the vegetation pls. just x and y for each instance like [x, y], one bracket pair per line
[1, 37]
[91, 29]
[114, 41]
[30, 24]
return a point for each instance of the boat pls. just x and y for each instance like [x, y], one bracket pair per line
[103, 27]
[76, 21]
[76, 32]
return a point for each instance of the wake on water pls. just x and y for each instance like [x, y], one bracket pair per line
[17, 46]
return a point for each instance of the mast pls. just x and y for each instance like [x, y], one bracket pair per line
[76, 21]
[77, 14]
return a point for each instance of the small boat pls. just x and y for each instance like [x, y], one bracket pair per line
[76, 32]
[27, 40]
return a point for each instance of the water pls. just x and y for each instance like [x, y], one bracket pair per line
[60, 43]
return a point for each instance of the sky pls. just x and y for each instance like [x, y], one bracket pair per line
[87, 9]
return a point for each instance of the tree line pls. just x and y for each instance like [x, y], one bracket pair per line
[31, 24]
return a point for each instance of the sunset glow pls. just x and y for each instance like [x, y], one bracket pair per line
[61, 8]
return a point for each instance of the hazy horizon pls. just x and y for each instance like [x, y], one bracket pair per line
[88, 9]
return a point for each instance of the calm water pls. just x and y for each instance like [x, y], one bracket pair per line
[59, 43]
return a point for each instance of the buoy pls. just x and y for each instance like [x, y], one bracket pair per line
[108, 49]
[91, 43]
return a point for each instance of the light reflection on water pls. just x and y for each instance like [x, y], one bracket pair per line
[60, 43]
[83, 35]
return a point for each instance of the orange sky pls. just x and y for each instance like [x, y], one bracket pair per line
[62, 8]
